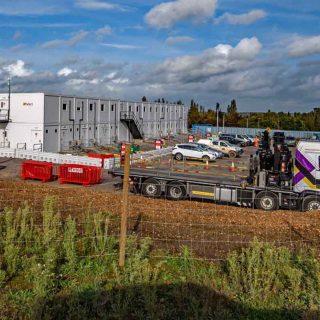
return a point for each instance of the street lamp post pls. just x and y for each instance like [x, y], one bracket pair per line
[217, 112]
[9, 97]
[223, 120]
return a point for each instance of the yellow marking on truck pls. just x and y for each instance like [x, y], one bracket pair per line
[203, 193]
[309, 183]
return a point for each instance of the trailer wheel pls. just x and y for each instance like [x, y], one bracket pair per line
[179, 156]
[232, 154]
[151, 188]
[267, 201]
[176, 191]
[311, 203]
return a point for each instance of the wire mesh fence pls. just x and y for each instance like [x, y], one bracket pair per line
[209, 230]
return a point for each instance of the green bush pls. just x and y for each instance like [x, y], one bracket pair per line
[57, 269]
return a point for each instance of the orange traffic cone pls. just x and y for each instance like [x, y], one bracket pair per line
[232, 168]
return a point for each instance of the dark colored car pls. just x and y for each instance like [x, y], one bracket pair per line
[232, 140]
[290, 141]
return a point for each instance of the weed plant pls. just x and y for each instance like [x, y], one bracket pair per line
[52, 268]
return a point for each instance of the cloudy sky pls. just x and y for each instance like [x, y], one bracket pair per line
[263, 53]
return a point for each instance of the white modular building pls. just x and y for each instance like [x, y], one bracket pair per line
[55, 123]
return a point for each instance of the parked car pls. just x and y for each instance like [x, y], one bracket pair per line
[249, 138]
[218, 153]
[192, 151]
[225, 147]
[234, 141]
[290, 141]
[238, 139]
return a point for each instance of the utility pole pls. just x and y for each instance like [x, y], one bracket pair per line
[217, 112]
[247, 121]
[124, 213]
[9, 97]
[223, 120]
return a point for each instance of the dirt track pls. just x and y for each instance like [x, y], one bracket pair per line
[209, 229]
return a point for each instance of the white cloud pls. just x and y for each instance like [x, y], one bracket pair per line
[167, 14]
[64, 72]
[54, 44]
[96, 5]
[17, 35]
[179, 39]
[77, 38]
[18, 69]
[121, 46]
[120, 81]
[304, 46]
[219, 59]
[246, 18]
[105, 31]
[32, 7]
[71, 42]
[18, 47]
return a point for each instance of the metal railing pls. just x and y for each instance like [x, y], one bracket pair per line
[203, 129]
[129, 115]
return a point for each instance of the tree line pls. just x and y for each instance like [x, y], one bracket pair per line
[306, 121]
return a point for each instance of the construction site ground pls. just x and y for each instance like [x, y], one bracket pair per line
[210, 230]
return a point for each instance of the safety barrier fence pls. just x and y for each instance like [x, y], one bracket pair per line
[80, 160]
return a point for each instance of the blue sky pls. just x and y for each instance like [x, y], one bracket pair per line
[265, 54]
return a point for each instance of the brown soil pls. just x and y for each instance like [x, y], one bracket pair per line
[209, 229]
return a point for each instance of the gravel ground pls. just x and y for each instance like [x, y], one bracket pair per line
[210, 230]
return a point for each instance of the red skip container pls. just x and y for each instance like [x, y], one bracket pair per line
[37, 170]
[80, 174]
[101, 156]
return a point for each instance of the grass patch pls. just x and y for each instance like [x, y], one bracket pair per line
[54, 269]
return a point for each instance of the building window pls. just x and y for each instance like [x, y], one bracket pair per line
[91, 106]
[77, 129]
[162, 109]
[144, 109]
[130, 108]
[102, 107]
[96, 128]
[156, 110]
[55, 130]
[137, 108]
[150, 109]
[90, 128]
[70, 129]
[112, 107]
[64, 106]
[47, 131]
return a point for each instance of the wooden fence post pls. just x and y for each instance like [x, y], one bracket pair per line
[124, 212]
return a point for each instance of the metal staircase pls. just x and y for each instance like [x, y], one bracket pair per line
[133, 124]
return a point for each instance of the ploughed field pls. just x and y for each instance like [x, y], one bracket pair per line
[209, 230]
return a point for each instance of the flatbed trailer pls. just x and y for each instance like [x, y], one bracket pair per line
[268, 189]
[180, 186]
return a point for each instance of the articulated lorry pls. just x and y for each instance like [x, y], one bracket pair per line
[276, 180]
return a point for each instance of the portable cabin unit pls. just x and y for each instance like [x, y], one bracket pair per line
[55, 123]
